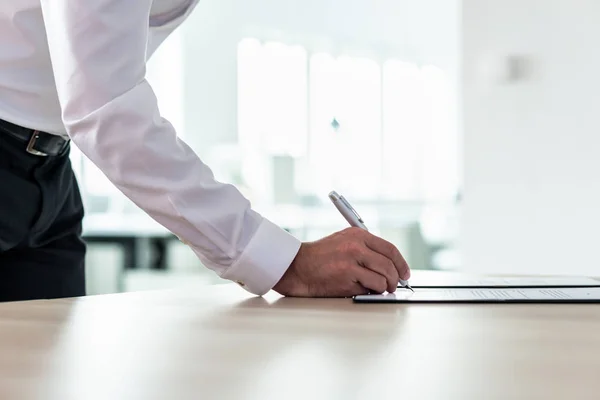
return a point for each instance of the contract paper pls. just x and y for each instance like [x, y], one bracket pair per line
[442, 281]
[483, 295]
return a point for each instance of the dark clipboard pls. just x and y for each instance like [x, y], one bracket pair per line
[566, 295]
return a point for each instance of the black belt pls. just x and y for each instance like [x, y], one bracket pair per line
[38, 143]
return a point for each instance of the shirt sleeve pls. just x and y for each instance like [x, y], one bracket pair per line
[98, 51]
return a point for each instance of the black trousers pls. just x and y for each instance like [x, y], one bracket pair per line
[41, 250]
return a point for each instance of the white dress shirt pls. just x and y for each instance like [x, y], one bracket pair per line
[77, 68]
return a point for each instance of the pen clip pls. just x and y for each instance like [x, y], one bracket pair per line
[343, 200]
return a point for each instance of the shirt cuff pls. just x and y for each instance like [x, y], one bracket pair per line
[265, 259]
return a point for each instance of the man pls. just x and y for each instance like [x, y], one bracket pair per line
[73, 70]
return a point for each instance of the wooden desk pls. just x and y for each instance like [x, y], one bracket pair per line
[225, 344]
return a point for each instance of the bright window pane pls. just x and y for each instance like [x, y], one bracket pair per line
[324, 160]
[345, 134]
[250, 114]
[284, 99]
[440, 161]
[165, 74]
[403, 130]
[374, 131]
[272, 108]
[272, 97]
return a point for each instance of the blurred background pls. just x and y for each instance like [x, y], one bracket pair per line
[465, 132]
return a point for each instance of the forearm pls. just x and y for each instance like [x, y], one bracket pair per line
[162, 175]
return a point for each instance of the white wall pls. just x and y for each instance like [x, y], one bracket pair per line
[416, 30]
[532, 148]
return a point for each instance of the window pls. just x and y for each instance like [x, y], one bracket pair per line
[368, 129]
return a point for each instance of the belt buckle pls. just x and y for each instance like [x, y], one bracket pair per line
[31, 144]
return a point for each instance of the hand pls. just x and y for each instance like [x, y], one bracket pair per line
[346, 263]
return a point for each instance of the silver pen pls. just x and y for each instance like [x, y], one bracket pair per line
[350, 214]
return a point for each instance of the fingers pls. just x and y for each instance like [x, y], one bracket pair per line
[381, 265]
[369, 279]
[389, 251]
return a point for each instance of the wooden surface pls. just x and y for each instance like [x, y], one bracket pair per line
[226, 344]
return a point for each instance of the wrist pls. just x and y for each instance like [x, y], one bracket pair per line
[290, 283]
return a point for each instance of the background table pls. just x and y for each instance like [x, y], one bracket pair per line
[225, 344]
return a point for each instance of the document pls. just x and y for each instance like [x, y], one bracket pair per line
[485, 295]
[433, 281]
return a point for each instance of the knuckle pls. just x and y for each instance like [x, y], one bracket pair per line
[352, 248]
[346, 270]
